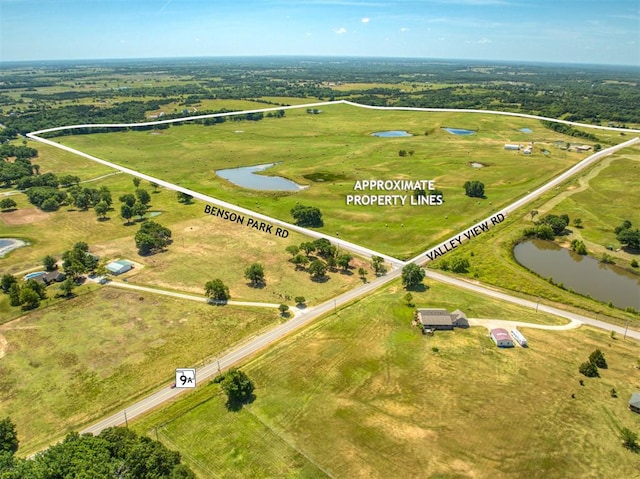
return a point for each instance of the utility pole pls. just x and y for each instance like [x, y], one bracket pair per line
[626, 328]
[126, 423]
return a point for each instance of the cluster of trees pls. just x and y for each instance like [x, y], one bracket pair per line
[27, 295]
[115, 452]
[590, 367]
[328, 257]
[474, 189]
[78, 260]
[307, 216]
[12, 172]
[579, 247]
[7, 204]
[548, 227]
[568, 130]
[137, 203]
[458, 265]
[627, 236]
[152, 238]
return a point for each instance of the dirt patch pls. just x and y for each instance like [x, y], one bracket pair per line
[23, 216]
[3, 345]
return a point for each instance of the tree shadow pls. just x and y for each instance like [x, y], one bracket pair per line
[106, 218]
[419, 288]
[234, 405]
[322, 279]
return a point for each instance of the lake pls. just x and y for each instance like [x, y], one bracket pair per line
[391, 134]
[583, 274]
[459, 131]
[245, 177]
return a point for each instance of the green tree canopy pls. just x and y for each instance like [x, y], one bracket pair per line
[216, 290]
[152, 237]
[412, 276]
[238, 387]
[474, 189]
[307, 215]
[255, 274]
[8, 436]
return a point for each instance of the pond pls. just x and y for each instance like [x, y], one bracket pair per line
[245, 177]
[582, 274]
[9, 244]
[459, 131]
[526, 130]
[475, 164]
[391, 134]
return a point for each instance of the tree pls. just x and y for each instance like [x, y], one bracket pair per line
[308, 247]
[184, 197]
[408, 299]
[300, 300]
[412, 276]
[143, 196]
[8, 436]
[300, 261]
[362, 273]
[558, 223]
[331, 263]
[139, 209]
[101, 209]
[50, 204]
[324, 247]
[14, 294]
[136, 181]
[283, 308]
[255, 274]
[293, 250]
[629, 439]
[154, 186]
[67, 287]
[377, 263]
[630, 238]
[7, 204]
[459, 265]
[7, 281]
[238, 387]
[29, 299]
[49, 263]
[344, 261]
[126, 212]
[128, 199]
[474, 189]
[317, 269]
[597, 358]
[216, 290]
[579, 247]
[307, 215]
[577, 222]
[152, 237]
[589, 369]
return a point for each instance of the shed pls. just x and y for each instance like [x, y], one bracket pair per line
[501, 337]
[634, 402]
[119, 267]
[519, 337]
[509, 146]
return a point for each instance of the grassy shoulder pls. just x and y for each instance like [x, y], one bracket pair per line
[595, 198]
[337, 144]
[363, 393]
[92, 354]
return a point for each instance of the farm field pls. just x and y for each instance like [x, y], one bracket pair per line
[363, 393]
[336, 149]
[75, 361]
[594, 196]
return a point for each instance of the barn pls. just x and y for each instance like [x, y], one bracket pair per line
[119, 267]
[634, 402]
[501, 337]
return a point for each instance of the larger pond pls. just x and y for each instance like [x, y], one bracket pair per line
[245, 176]
[459, 131]
[9, 244]
[582, 274]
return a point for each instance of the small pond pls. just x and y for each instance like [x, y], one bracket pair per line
[245, 177]
[526, 130]
[582, 274]
[475, 164]
[9, 244]
[459, 131]
[391, 134]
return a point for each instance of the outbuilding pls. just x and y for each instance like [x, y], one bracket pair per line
[509, 146]
[501, 337]
[634, 402]
[119, 267]
[437, 318]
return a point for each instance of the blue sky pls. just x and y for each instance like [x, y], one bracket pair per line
[563, 31]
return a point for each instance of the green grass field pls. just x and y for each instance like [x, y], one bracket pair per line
[338, 142]
[72, 363]
[364, 394]
[596, 198]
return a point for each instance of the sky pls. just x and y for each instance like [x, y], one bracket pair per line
[558, 31]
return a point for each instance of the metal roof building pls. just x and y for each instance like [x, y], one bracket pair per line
[501, 337]
[119, 267]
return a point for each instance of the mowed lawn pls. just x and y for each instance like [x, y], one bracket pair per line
[363, 394]
[72, 363]
[337, 147]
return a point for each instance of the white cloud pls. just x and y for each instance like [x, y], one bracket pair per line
[482, 41]
[341, 30]
[365, 20]
[404, 29]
